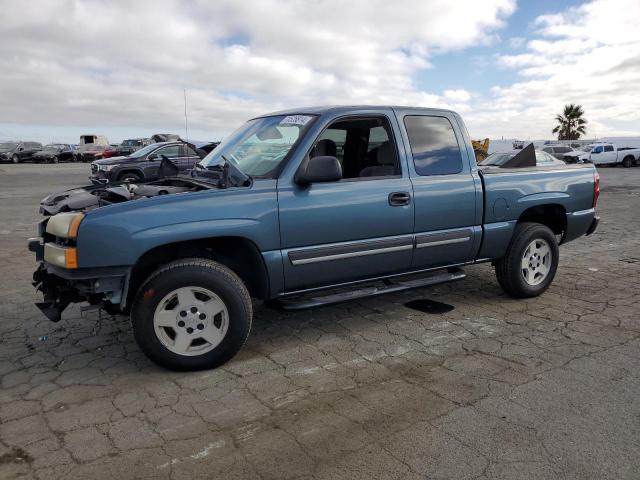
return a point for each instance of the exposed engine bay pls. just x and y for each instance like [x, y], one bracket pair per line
[88, 198]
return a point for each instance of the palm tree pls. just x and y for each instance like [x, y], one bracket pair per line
[570, 124]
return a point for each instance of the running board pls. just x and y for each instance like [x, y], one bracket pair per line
[387, 286]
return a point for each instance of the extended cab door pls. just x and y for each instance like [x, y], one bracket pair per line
[447, 190]
[356, 228]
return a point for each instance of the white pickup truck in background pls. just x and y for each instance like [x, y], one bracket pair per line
[605, 154]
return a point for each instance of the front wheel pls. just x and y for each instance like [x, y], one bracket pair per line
[531, 261]
[192, 314]
[129, 177]
[15, 159]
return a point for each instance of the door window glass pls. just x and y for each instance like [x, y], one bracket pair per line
[364, 147]
[171, 151]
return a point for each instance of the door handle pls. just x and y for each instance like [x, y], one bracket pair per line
[398, 199]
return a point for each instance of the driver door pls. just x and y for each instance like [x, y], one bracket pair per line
[356, 228]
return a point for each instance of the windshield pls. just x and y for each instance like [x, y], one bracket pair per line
[260, 145]
[586, 149]
[499, 159]
[8, 146]
[144, 151]
[496, 159]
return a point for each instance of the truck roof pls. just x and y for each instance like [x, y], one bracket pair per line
[319, 110]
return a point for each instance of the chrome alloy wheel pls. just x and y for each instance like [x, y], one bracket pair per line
[536, 262]
[191, 321]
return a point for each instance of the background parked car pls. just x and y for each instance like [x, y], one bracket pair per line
[558, 151]
[90, 152]
[499, 158]
[54, 153]
[17, 152]
[602, 153]
[127, 147]
[145, 163]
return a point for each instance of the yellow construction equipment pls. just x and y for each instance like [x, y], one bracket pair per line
[481, 148]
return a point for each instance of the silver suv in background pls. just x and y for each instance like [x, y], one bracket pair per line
[558, 151]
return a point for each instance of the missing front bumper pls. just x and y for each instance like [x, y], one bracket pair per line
[103, 287]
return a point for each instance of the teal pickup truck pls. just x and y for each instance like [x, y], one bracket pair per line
[303, 208]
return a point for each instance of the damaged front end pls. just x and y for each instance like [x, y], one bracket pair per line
[85, 199]
[59, 277]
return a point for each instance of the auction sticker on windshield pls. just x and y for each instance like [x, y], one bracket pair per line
[295, 120]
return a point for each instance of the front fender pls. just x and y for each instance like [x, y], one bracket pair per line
[119, 234]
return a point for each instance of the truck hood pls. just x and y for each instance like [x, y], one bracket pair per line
[84, 199]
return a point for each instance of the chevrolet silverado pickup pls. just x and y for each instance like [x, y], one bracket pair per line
[305, 208]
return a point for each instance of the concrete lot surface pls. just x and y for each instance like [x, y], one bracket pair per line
[492, 389]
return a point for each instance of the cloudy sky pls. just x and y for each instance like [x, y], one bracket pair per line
[119, 67]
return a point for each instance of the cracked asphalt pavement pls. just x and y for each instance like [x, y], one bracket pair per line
[495, 388]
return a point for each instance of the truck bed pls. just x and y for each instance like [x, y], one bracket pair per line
[509, 193]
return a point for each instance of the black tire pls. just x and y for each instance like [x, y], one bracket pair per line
[508, 269]
[192, 272]
[129, 177]
[15, 158]
[627, 162]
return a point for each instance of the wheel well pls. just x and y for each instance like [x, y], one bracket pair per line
[130, 170]
[552, 215]
[239, 254]
[630, 157]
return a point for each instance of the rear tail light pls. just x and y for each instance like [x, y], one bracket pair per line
[596, 188]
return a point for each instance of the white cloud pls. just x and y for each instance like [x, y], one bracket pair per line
[98, 63]
[588, 55]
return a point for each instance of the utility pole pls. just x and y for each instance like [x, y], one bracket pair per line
[186, 120]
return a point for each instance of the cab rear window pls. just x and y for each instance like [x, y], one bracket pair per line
[434, 146]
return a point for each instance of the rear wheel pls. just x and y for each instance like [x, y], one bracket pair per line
[627, 162]
[531, 261]
[192, 314]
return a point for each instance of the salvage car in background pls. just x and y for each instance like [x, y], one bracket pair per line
[54, 153]
[602, 153]
[500, 158]
[90, 152]
[278, 211]
[558, 151]
[16, 152]
[127, 147]
[145, 163]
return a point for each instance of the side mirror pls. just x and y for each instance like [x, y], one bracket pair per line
[153, 156]
[319, 169]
